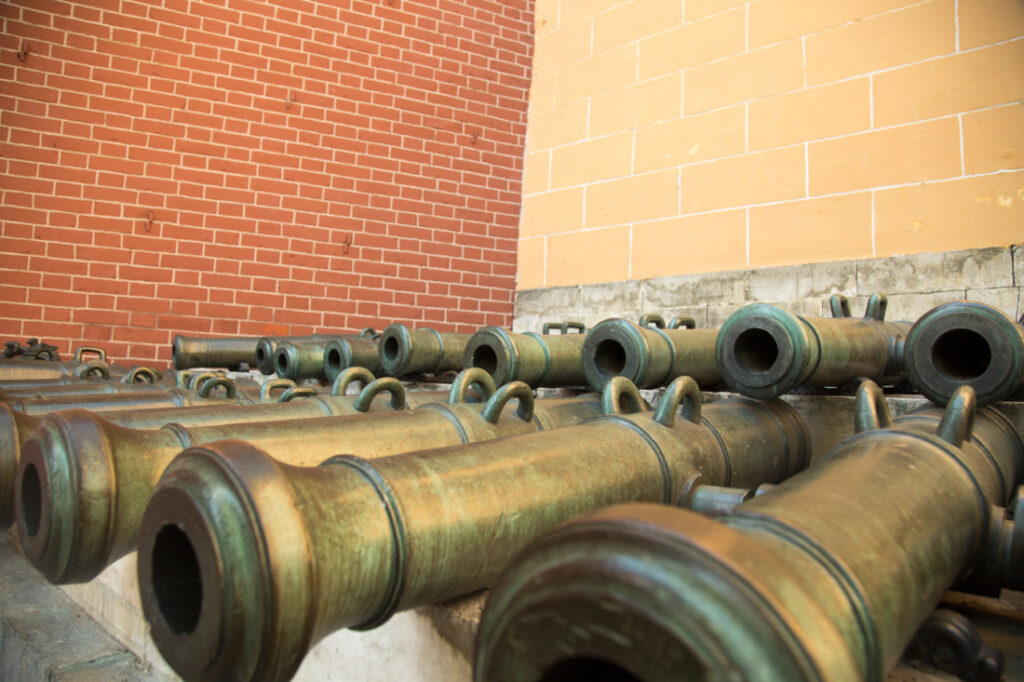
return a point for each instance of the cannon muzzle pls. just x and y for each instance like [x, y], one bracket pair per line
[551, 360]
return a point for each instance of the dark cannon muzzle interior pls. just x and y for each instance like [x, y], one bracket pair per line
[586, 668]
[391, 349]
[756, 350]
[485, 358]
[962, 354]
[610, 357]
[31, 499]
[177, 584]
[333, 359]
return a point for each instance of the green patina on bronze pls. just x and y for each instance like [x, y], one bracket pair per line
[278, 556]
[551, 360]
[826, 576]
[650, 356]
[965, 343]
[403, 350]
[87, 480]
[340, 354]
[765, 351]
[267, 345]
[228, 352]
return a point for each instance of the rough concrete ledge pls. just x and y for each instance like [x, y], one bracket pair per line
[45, 636]
[914, 285]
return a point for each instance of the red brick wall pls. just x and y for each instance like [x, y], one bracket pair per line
[200, 167]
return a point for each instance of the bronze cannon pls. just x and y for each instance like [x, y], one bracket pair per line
[966, 343]
[827, 576]
[402, 350]
[83, 482]
[544, 359]
[650, 355]
[230, 352]
[764, 351]
[245, 561]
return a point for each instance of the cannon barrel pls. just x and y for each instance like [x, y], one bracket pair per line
[966, 343]
[25, 369]
[402, 350]
[266, 346]
[86, 481]
[245, 562]
[198, 351]
[17, 426]
[826, 576]
[649, 356]
[764, 351]
[551, 360]
[340, 354]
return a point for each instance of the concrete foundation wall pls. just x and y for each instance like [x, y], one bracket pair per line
[914, 285]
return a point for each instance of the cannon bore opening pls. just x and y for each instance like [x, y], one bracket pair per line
[610, 357]
[31, 499]
[486, 359]
[391, 349]
[177, 584]
[261, 355]
[755, 350]
[282, 364]
[334, 359]
[962, 354]
[586, 668]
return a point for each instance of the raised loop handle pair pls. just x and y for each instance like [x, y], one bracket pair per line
[467, 379]
[93, 370]
[350, 375]
[872, 412]
[101, 355]
[377, 386]
[682, 322]
[563, 327]
[652, 320]
[141, 375]
[875, 309]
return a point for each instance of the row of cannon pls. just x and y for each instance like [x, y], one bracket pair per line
[622, 542]
[760, 351]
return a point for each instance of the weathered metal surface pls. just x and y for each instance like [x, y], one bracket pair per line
[87, 480]
[266, 346]
[245, 562]
[535, 359]
[341, 354]
[229, 352]
[16, 426]
[825, 577]
[402, 350]
[650, 356]
[966, 343]
[22, 370]
[764, 351]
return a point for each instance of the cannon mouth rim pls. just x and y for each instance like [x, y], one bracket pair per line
[265, 349]
[945, 336]
[64, 532]
[286, 361]
[393, 349]
[762, 350]
[343, 350]
[493, 350]
[621, 570]
[213, 496]
[627, 342]
[178, 352]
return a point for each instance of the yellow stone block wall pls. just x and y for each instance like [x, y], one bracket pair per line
[670, 137]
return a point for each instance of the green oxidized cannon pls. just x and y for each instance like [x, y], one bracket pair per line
[764, 351]
[340, 354]
[22, 369]
[82, 482]
[266, 346]
[650, 355]
[544, 359]
[245, 562]
[230, 352]
[966, 343]
[402, 350]
[17, 426]
[827, 576]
